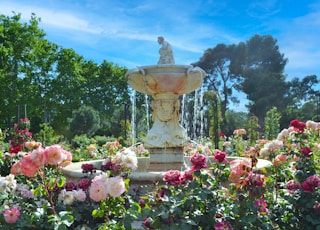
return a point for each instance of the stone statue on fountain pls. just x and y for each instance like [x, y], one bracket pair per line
[166, 53]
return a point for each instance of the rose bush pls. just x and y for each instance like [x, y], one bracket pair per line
[36, 195]
[213, 193]
[233, 195]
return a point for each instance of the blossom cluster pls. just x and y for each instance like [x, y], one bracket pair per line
[33, 161]
[21, 134]
[9, 187]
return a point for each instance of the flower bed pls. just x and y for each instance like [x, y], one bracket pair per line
[220, 193]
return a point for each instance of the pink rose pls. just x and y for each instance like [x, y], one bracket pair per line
[80, 195]
[198, 161]
[84, 184]
[261, 205]
[67, 158]
[11, 215]
[98, 191]
[54, 154]
[28, 167]
[186, 175]
[148, 222]
[115, 186]
[38, 157]
[279, 159]
[172, 177]
[223, 225]
[293, 185]
[316, 207]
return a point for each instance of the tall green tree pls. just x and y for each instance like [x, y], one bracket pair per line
[85, 120]
[216, 63]
[66, 89]
[261, 75]
[304, 89]
[112, 94]
[25, 62]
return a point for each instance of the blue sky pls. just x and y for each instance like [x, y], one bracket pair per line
[125, 32]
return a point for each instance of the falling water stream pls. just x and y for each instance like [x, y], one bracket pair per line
[195, 130]
[147, 111]
[133, 116]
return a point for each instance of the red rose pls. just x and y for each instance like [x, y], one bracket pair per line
[220, 156]
[299, 125]
[311, 183]
[306, 151]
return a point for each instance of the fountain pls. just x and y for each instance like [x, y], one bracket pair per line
[165, 83]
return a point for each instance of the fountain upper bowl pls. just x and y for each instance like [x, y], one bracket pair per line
[158, 79]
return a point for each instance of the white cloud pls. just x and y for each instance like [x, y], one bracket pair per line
[50, 17]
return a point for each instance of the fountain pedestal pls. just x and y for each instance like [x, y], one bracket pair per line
[162, 160]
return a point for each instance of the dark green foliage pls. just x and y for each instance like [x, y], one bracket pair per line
[85, 120]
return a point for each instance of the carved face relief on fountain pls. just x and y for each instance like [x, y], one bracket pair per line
[166, 110]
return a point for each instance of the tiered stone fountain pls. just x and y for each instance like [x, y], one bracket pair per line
[164, 82]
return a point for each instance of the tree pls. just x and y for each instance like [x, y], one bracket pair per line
[25, 62]
[110, 94]
[261, 75]
[303, 90]
[216, 63]
[85, 120]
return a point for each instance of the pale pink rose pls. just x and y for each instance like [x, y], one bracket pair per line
[91, 147]
[25, 191]
[103, 177]
[67, 158]
[11, 215]
[38, 157]
[283, 135]
[8, 183]
[115, 186]
[28, 167]
[69, 198]
[312, 125]
[80, 195]
[54, 154]
[129, 159]
[98, 191]
[66, 197]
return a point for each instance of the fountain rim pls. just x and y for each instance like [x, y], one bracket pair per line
[262, 163]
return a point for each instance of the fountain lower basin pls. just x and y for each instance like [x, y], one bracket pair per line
[142, 176]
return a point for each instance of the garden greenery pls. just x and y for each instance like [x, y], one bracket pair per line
[214, 193]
